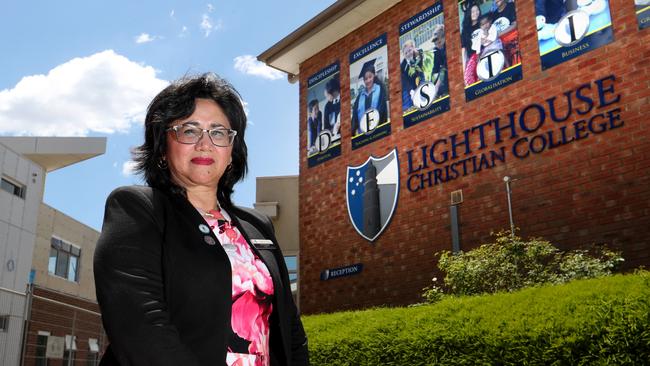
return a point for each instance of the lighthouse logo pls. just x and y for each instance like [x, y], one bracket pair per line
[371, 190]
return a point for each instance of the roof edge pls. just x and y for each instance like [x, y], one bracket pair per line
[317, 23]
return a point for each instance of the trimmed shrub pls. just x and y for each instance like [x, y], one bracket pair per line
[510, 263]
[604, 321]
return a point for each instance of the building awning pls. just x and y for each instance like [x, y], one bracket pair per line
[53, 153]
[334, 23]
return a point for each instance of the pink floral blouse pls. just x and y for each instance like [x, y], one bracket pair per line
[252, 291]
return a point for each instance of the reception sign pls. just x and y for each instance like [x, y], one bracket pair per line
[369, 92]
[568, 29]
[423, 66]
[323, 115]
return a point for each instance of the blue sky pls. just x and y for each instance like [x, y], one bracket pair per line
[89, 68]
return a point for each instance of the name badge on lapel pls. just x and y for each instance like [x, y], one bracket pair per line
[263, 244]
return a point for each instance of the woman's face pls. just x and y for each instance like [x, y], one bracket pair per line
[369, 80]
[202, 164]
[329, 96]
[408, 50]
[314, 111]
[475, 12]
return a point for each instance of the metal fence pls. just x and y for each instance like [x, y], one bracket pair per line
[49, 328]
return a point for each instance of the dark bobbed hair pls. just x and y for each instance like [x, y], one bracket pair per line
[178, 101]
[312, 104]
[333, 86]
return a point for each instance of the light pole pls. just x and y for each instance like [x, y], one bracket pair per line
[507, 179]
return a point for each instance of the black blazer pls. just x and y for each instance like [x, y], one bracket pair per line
[165, 291]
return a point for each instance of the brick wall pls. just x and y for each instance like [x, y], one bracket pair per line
[596, 190]
[60, 315]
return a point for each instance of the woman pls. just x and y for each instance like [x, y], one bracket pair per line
[412, 72]
[183, 276]
[371, 97]
[315, 123]
[469, 32]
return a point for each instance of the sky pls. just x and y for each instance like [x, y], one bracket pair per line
[90, 68]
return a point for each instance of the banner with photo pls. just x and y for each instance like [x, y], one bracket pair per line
[567, 29]
[324, 115]
[423, 66]
[369, 94]
[489, 45]
[642, 8]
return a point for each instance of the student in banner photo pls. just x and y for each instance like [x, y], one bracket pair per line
[487, 41]
[412, 70]
[470, 31]
[439, 70]
[333, 106]
[314, 123]
[504, 18]
[183, 276]
[548, 13]
[371, 96]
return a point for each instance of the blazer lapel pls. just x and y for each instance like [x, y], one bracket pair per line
[253, 235]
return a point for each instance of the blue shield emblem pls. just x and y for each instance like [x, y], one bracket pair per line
[371, 190]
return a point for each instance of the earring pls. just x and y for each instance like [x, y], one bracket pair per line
[162, 163]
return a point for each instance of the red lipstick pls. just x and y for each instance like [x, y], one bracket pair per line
[202, 161]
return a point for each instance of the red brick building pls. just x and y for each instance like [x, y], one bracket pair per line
[581, 171]
[76, 320]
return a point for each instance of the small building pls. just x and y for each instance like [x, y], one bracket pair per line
[46, 278]
[277, 197]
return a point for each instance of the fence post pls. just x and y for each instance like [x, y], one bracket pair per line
[27, 310]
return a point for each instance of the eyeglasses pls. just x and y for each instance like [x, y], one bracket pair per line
[189, 134]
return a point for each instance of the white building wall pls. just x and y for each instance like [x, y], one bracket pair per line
[17, 238]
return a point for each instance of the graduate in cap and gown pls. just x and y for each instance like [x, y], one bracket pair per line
[372, 96]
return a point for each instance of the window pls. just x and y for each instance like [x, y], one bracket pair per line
[13, 188]
[64, 260]
[92, 357]
[70, 349]
[292, 266]
[4, 323]
[41, 348]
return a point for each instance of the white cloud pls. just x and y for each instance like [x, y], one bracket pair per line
[247, 64]
[206, 24]
[184, 32]
[172, 13]
[210, 8]
[145, 38]
[128, 168]
[104, 92]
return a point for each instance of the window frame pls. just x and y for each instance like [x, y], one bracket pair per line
[13, 187]
[41, 348]
[65, 251]
[4, 323]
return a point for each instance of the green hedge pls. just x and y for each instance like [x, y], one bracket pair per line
[604, 321]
